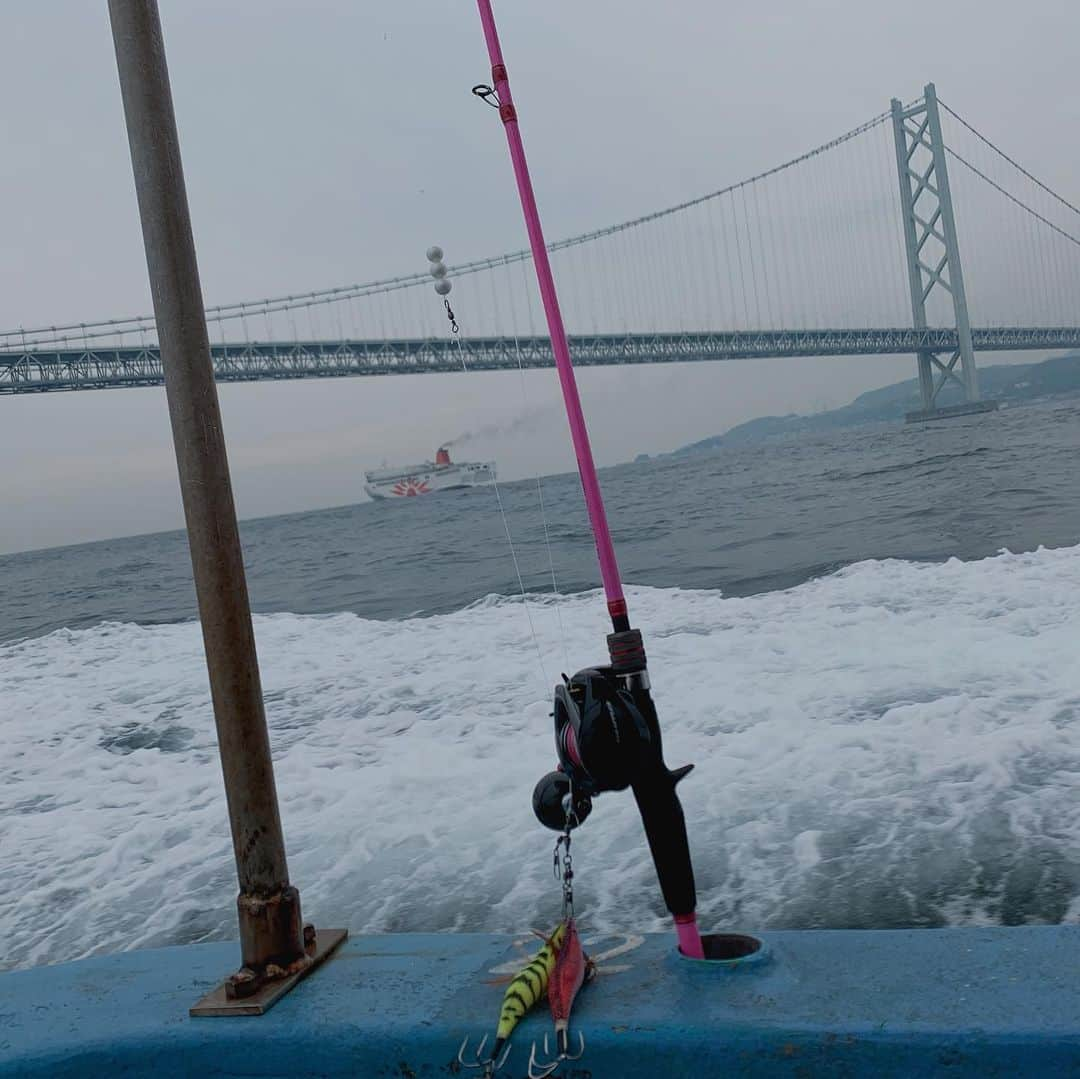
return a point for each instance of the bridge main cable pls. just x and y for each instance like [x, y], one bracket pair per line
[1001, 153]
[112, 328]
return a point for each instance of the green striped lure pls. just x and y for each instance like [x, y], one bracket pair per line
[528, 987]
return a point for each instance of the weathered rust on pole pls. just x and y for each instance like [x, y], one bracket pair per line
[269, 908]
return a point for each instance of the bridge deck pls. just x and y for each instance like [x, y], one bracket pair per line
[35, 371]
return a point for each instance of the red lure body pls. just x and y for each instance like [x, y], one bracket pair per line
[566, 979]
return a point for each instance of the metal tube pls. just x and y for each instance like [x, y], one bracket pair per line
[270, 925]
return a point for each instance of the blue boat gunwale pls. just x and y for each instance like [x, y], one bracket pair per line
[972, 1001]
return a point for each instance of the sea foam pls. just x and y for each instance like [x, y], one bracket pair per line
[895, 744]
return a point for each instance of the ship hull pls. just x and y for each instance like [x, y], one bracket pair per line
[427, 479]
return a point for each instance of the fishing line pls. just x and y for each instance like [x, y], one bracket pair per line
[539, 484]
[442, 288]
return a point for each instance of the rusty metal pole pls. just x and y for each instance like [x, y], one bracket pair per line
[272, 936]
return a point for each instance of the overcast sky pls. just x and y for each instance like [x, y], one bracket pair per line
[331, 142]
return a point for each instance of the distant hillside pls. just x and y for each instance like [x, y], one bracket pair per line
[1011, 383]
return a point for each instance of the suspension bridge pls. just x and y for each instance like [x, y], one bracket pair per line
[851, 249]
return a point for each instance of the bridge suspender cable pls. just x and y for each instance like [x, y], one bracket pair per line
[230, 311]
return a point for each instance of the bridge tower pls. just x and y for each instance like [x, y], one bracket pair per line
[933, 254]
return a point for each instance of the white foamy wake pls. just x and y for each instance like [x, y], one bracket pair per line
[894, 744]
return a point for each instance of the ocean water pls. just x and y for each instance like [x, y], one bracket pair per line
[866, 641]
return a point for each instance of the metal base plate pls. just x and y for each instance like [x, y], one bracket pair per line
[263, 999]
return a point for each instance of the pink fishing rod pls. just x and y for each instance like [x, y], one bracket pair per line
[652, 782]
[594, 501]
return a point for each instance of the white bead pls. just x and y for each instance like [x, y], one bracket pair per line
[442, 287]
[434, 254]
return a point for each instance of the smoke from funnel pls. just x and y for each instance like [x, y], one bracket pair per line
[530, 420]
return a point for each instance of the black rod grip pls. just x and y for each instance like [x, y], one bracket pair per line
[665, 828]
[662, 814]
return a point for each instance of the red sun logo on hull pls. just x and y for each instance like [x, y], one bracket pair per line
[410, 487]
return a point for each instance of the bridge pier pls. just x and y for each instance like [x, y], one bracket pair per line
[933, 253]
[948, 412]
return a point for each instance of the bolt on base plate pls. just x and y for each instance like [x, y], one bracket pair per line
[216, 1002]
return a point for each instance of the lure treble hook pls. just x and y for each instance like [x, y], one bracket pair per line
[491, 1064]
[541, 1070]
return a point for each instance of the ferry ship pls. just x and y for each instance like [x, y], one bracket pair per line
[442, 474]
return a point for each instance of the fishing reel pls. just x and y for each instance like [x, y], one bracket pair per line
[607, 738]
